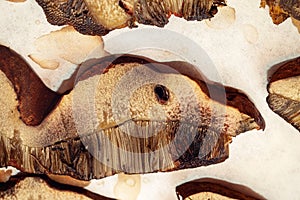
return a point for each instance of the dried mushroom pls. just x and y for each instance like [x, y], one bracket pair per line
[66, 47]
[280, 10]
[284, 91]
[101, 16]
[208, 188]
[22, 188]
[125, 114]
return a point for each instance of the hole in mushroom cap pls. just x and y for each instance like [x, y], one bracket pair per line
[162, 94]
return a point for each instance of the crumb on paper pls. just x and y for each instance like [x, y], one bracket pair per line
[250, 33]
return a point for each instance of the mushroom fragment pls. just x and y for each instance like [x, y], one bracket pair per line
[283, 9]
[125, 114]
[284, 91]
[208, 188]
[101, 16]
[44, 188]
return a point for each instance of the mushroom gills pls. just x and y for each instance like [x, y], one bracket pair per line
[102, 154]
[287, 108]
[284, 90]
[101, 16]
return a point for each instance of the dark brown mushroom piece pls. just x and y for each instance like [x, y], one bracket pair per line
[98, 17]
[283, 9]
[125, 113]
[208, 188]
[284, 91]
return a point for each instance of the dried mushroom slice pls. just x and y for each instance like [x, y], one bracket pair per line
[208, 188]
[101, 16]
[108, 13]
[125, 114]
[35, 100]
[35, 187]
[280, 10]
[74, 13]
[292, 7]
[284, 91]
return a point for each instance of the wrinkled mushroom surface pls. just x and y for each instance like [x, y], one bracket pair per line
[283, 9]
[284, 91]
[101, 16]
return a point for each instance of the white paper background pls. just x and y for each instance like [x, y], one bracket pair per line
[268, 162]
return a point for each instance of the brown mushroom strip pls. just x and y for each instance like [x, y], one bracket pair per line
[98, 17]
[125, 114]
[28, 87]
[208, 188]
[284, 91]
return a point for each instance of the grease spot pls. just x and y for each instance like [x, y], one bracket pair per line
[250, 33]
[44, 63]
[47, 81]
[223, 19]
[146, 180]
[100, 183]
[128, 187]
[37, 22]
[130, 182]
[66, 47]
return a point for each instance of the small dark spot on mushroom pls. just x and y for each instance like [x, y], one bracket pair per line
[161, 93]
[230, 97]
[213, 10]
